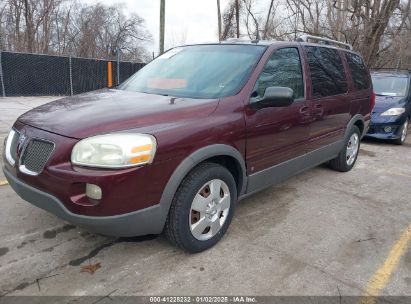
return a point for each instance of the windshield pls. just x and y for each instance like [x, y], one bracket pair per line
[390, 85]
[200, 71]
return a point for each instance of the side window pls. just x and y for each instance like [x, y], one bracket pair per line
[358, 70]
[327, 71]
[283, 69]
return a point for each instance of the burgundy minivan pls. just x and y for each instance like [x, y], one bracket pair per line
[178, 144]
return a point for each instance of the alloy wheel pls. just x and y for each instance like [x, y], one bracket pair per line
[352, 148]
[404, 131]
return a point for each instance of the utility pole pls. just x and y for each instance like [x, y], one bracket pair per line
[162, 24]
[219, 20]
[237, 17]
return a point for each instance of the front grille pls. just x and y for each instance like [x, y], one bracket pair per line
[36, 155]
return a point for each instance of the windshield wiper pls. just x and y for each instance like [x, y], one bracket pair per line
[151, 93]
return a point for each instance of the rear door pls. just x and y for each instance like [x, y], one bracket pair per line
[330, 101]
[361, 79]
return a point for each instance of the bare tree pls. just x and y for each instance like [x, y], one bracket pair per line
[252, 31]
[103, 30]
[28, 17]
[229, 26]
[177, 37]
[70, 26]
[260, 25]
[268, 19]
[312, 13]
[375, 20]
[369, 25]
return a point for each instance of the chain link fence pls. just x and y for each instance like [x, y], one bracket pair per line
[23, 74]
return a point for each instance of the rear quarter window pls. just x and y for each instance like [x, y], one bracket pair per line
[327, 71]
[359, 72]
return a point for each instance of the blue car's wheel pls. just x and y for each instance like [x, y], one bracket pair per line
[402, 133]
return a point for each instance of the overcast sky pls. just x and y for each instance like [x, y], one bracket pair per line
[187, 21]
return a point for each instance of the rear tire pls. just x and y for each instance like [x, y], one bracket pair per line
[202, 208]
[402, 132]
[347, 158]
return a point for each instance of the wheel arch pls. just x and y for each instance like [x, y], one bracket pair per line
[358, 121]
[225, 155]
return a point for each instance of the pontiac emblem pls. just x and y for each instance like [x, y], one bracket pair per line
[22, 139]
[21, 142]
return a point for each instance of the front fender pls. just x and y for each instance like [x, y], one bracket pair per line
[192, 161]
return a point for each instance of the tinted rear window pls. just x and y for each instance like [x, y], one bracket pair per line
[359, 72]
[327, 71]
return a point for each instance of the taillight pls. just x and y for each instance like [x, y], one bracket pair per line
[372, 101]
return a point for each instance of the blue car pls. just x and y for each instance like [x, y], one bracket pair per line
[391, 116]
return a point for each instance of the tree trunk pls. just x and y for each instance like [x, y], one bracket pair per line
[374, 30]
[268, 20]
[29, 27]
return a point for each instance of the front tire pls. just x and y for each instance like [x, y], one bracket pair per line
[346, 159]
[402, 133]
[202, 208]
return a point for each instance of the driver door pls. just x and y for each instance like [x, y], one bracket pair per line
[278, 134]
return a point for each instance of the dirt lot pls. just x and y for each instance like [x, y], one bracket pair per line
[319, 233]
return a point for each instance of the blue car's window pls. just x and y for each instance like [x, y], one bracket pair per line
[200, 71]
[390, 85]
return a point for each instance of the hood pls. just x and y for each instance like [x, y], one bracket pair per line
[383, 103]
[109, 110]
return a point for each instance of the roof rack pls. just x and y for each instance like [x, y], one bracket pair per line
[242, 40]
[305, 38]
[237, 40]
[387, 70]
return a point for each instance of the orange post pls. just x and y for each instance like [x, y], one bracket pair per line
[109, 74]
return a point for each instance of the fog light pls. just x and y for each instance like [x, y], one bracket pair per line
[387, 129]
[93, 191]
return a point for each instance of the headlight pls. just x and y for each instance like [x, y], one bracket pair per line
[114, 151]
[393, 112]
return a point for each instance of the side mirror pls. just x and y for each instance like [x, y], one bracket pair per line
[275, 97]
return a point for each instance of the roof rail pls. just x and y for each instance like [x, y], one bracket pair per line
[305, 38]
[238, 40]
[391, 70]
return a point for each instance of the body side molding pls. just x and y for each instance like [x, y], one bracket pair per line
[278, 173]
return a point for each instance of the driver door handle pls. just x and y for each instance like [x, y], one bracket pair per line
[304, 110]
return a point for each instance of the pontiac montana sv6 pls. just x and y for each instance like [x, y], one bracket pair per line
[179, 143]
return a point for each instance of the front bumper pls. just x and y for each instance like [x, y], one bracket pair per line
[380, 123]
[377, 131]
[124, 190]
[141, 222]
